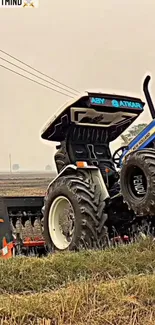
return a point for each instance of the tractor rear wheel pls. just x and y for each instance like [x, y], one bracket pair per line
[74, 215]
[137, 181]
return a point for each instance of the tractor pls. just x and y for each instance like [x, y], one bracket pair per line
[97, 199]
[91, 203]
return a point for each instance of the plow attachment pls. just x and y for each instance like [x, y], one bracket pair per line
[21, 231]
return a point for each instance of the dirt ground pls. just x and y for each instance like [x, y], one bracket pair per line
[24, 184]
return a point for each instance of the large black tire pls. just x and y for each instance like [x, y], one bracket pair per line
[137, 181]
[89, 231]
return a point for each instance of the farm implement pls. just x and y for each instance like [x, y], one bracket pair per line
[21, 228]
[97, 199]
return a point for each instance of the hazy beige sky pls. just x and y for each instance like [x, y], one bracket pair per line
[85, 44]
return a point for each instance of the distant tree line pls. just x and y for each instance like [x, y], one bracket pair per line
[16, 167]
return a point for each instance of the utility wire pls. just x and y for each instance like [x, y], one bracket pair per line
[17, 66]
[43, 74]
[19, 74]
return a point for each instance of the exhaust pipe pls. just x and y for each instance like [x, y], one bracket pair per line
[148, 97]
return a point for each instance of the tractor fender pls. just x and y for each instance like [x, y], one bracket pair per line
[63, 172]
[96, 176]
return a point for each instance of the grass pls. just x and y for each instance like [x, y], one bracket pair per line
[112, 287]
[127, 301]
[33, 274]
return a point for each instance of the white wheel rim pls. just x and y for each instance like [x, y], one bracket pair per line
[58, 207]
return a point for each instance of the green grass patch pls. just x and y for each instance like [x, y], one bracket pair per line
[35, 275]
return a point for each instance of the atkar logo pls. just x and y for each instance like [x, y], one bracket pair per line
[19, 3]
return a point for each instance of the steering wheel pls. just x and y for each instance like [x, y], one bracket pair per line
[118, 154]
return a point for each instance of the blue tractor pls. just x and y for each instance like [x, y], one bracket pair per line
[137, 163]
[90, 202]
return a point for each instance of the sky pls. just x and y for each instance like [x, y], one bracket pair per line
[85, 44]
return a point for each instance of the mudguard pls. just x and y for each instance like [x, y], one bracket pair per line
[96, 175]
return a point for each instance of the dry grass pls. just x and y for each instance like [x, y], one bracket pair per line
[123, 302]
[113, 287]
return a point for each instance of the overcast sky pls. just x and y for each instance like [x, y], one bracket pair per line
[108, 44]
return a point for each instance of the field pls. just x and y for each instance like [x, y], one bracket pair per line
[24, 184]
[111, 287]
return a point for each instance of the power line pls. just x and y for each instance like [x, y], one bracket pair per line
[2, 66]
[17, 66]
[29, 66]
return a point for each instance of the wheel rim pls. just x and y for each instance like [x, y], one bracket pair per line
[61, 222]
[136, 182]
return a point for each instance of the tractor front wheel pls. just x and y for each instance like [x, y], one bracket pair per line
[137, 181]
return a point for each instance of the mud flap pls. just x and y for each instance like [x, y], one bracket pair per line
[6, 237]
